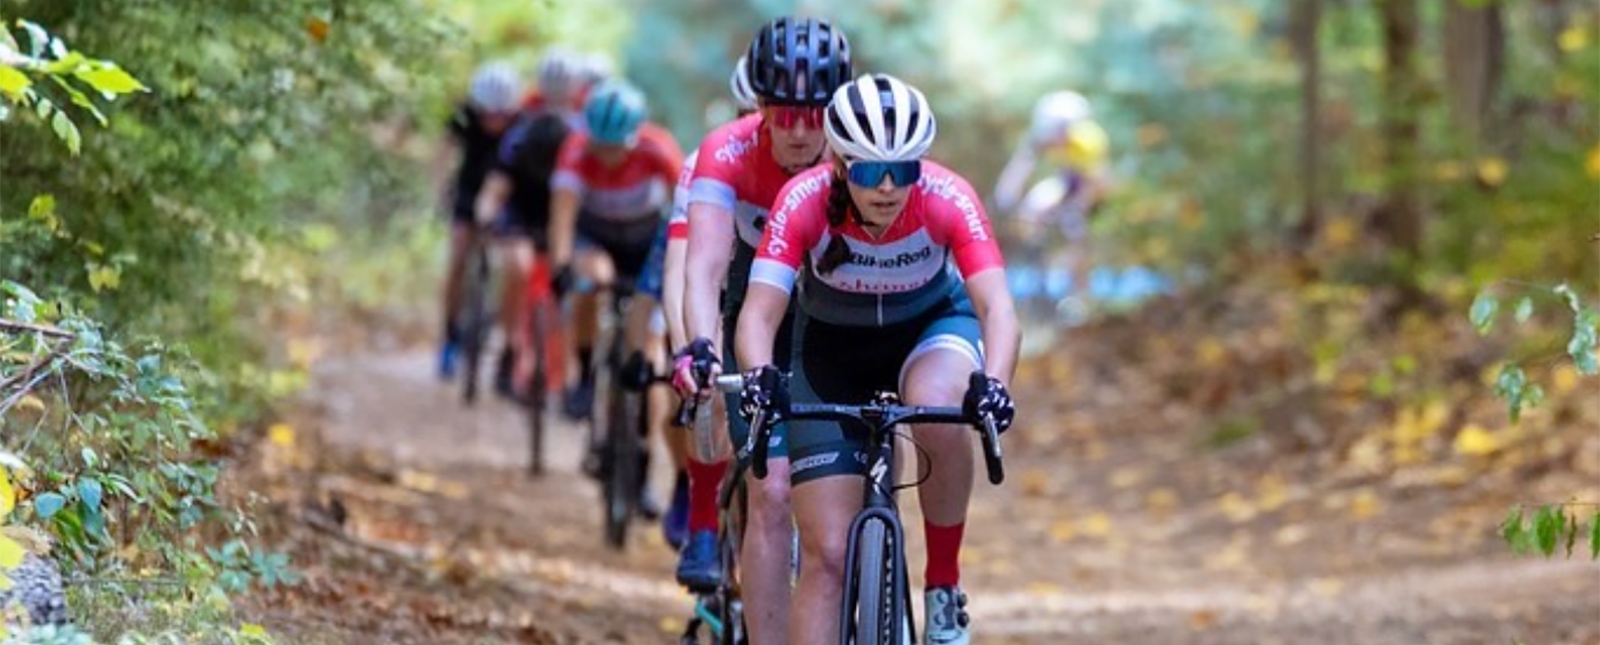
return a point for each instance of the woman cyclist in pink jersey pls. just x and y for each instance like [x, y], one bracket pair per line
[794, 64]
[904, 290]
[610, 190]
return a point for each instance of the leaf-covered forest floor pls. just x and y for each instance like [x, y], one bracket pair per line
[1276, 462]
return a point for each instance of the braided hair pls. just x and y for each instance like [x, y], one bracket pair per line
[839, 207]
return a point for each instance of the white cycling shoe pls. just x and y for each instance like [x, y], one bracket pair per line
[947, 618]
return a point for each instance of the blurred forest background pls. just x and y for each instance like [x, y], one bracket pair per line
[1383, 218]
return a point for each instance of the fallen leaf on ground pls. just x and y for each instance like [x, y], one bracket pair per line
[1202, 620]
[281, 434]
[1063, 531]
[1097, 525]
[1475, 441]
[1161, 501]
[1236, 508]
[1365, 505]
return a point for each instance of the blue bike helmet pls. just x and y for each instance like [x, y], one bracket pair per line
[614, 112]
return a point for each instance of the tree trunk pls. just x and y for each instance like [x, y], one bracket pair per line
[1401, 221]
[1306, 23]
[1474, 58]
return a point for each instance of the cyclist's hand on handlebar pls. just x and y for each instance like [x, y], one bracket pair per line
[765, 389]
[561, 281]
[987, 397]
[694, 368]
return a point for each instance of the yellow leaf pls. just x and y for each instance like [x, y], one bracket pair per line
[1573, 38]
[252, 629]
[1327, 586]
[1492, 171]
[1365, 505]
[303, 353]
[1044, 589]
[1447, 171]
[1097, 525]
[1564, 378]
[1035, 483]
[31, 402]
[1063, 531]
[8, 495]
[1127, 477]
[281, 434]
[671, 625]
[1292, 534]
[13, 82]
[1211, 352]
[317, 28]
[1236, 508]
[1592, 164]
[1340, 232]
[1161, 501]
[10, 553]
[1476, 441]
[103, 278]
[1271, 492]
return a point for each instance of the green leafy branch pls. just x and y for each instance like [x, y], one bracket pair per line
[1512, 383]
[1550, 528]
[47, 59]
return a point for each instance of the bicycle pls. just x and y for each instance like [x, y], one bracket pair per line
[475, 319]
[875, 607]
[620, 434]
[546, 347]
[720, 610]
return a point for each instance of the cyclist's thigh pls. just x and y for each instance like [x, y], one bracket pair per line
[845, 365]
[957, 330]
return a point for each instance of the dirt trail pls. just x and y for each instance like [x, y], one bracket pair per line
[1066, 552]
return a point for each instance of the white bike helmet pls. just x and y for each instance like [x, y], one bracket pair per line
[879, 117]
[560, 72]
[496, 87]
[739, 84]
[1055, 112]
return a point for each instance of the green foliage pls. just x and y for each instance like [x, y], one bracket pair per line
[1512, 384]
[1549, 528]
[108, 431]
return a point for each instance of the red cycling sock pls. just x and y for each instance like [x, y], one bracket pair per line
[705, 480]
[944, 554]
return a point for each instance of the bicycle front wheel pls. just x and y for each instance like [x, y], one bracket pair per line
[879, 618]
[622, 477]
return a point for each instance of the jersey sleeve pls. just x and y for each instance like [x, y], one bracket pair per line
[668, 156]
[713, 180]
[958, 220]
[678, 222]
[460, 124]
[793, 228]
[569, 167]
[505, 157]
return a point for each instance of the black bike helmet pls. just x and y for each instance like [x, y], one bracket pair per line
[798, 61]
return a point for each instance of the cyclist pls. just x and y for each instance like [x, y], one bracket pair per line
[608, 194]
[794, 66]
[475, 129]
[694, 500]
[516, 196]
[903, 288]
[1063, 135]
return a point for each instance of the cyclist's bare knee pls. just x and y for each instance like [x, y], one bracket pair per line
[937, 377]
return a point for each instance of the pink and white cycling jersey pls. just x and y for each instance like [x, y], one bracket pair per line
[736, 171]
[630, 191]
[890, 278]
[678, 222]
